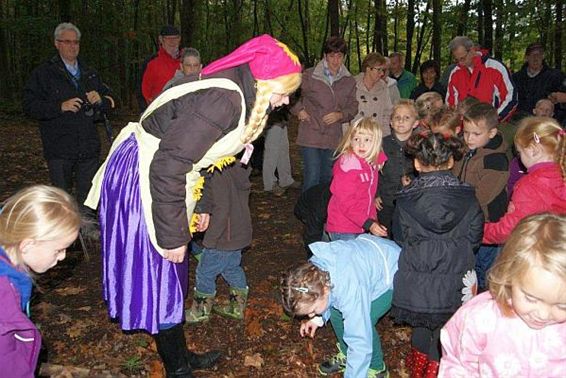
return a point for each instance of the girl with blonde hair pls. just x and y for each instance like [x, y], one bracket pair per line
[37, 224]
[148, 186]
[518, 328]
[541, 144]
[351, 209]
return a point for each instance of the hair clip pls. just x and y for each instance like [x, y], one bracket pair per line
[536, 138]
[303, 290]
[562, 132]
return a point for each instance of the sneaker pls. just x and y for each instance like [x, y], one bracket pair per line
[336, 364]
[383, 373]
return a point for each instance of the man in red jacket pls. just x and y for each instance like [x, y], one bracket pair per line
[162, 67]
[480, 76]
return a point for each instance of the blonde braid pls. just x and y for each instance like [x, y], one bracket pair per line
[258, 118]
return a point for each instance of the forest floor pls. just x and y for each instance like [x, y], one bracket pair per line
[81, 340]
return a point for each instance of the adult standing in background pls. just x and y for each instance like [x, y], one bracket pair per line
[430, 74]
[372, 92]
[65, 96]
[328, 99]
[162, 67]
[536, 80]
[479, 76]
[190, 65]
[406, 81]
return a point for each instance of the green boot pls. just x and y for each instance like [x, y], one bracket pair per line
[236, 308]
[200, 309]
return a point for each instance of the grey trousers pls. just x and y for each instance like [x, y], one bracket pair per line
[276, 156]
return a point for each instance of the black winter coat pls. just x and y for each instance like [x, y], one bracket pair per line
[439, 224]
[65, 135]
[532, 89]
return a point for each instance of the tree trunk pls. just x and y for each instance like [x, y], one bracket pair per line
[420, 40]
[480, 23]
[385, 32]
[410, 32]
[188, 21]
[436, 30]
[4, 66]
[559, 29]
[378, 27]
[334, 18]
[498, 42]
[368, 27]
[357, 31]
[305, 30]
[64, 10]
[396, 27]
[268, 23]
[463, 19]
[487, 24]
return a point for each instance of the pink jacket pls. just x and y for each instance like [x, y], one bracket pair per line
[353, 189]
[542, 190]
[478, 341]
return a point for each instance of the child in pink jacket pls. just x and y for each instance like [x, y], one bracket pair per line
[518, 328]
[541, 144]
[351, 209]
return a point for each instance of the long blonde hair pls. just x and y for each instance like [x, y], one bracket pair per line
[547, 132]
[284, 85]
[370, 126]
[538, 240]
[39, 212]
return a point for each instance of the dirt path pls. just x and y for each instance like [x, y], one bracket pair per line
[68, 307]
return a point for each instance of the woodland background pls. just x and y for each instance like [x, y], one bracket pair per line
[118, 35]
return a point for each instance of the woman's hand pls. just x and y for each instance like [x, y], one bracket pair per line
[175, 255]
[308, 328]
[303, 115]
[203, 221]
[331, 118]
[378, 230]
[378, 202]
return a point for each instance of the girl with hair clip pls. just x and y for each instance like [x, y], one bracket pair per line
[541, 144]
[148, 186]
[438, 223]
[518, 328]
[350, 283]
[351, 209]
[37, 224]
[428, 104]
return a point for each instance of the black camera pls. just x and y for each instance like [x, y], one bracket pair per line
[87, 107]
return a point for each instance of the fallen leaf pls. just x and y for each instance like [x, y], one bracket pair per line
[64, 291]
[254, 329]
[254, 360]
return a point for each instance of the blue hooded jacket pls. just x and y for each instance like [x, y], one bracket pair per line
[361, 270]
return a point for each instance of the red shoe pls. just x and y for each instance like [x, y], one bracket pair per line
[432, 369]
[419, 362]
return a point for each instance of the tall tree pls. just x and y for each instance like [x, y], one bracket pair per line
[480, 23]
[410, 32]
[487, 24]
[305, 28]
[421, 38]
[4, 64]
[463, 18]
[436, 30]
[334, 17]
[559, 29]
[188, 21]
[500, 21]
[379, 27]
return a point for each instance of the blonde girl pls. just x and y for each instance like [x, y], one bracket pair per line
[345, 283]
[351, 209]
[148, 186]
[518, 328]
[37, 224]
[541, 144]
[428, 104]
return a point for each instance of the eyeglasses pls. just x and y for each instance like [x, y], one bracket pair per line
[378, 69]
[67, 42]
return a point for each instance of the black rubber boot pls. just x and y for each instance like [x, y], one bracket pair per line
[205, 360]
[172, 349]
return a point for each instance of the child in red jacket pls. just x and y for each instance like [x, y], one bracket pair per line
[351, 209]
[541, 144]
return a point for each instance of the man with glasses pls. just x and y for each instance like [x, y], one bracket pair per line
[478, 75]
[65, 96]
[162, 67]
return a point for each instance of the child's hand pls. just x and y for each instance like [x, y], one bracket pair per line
[332, 118]
[303, 115]
[405, 180]
[378, 230]
[378, 202]
[175, 255]
[203, 220]
[308, 328]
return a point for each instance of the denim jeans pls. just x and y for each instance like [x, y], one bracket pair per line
[214, 262]
[342, 236]
[484, 260]
[317, 166]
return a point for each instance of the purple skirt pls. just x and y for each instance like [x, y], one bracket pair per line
[141, 288]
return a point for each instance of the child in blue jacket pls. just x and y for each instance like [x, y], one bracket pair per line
[350, 283]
